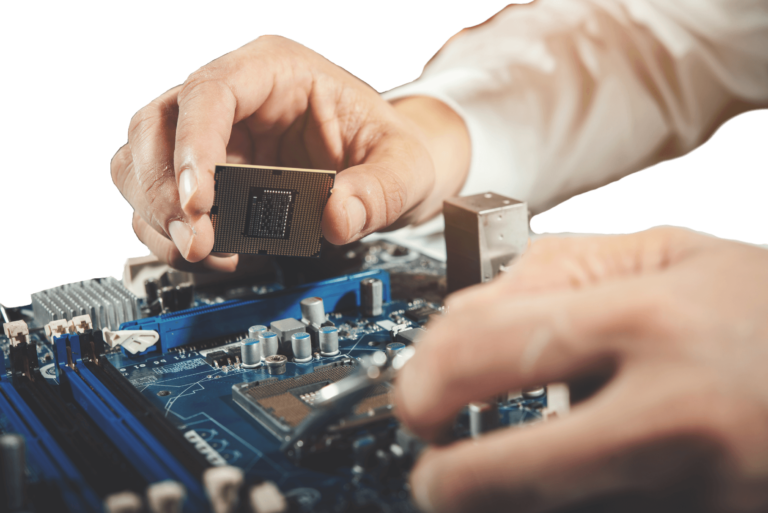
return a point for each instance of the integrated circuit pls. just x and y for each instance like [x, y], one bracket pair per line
[269, 210]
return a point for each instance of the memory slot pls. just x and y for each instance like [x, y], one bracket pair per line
[57, 484]
[102, 464]
[145, 452]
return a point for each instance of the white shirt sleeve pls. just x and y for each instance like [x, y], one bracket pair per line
[563, 96]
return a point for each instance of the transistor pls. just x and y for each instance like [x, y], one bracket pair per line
[269, 210]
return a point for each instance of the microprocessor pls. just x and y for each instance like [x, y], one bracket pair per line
[269, 210]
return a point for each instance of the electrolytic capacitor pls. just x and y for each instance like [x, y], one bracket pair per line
[151, 287]
[301, 343]
[393, 348]
[483, 417]
[313, 310]
[371, 297]
[168, 297]
[275, 363]
[185, 295]
[13, 469]
[253, 331]
[329, 340]
[250, 353]
[270, 343]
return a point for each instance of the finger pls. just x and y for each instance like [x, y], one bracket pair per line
[143, 172]
[621, 440]
[500, 344]
[558, 263]
[167, 252]
[393, 179]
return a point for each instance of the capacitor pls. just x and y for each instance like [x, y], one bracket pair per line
[250, 353]
[275, 363]
[253, 331]
[371, 297]
[533, 392]
[483, 417]
[151, 287]
[329, 340]
[393, 348]
[13, 468]
[301, 343]
[184, 295]
[168, 297]
[270, 343]
[313, 310]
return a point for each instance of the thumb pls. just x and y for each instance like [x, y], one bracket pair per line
[392, 181]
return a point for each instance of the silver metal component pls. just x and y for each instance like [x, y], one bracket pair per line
[106, 300]
[393, 348]
[285, 328]
[531, 393]
[312, 311]
[483, 417]
[301, 343]
[270, 343]
[275, 363]
[483, 233]
[253, 331]
[329, 340]
[371, 297]
[250, 353]
[13, 469]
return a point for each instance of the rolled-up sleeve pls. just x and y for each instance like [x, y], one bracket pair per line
[563, 96]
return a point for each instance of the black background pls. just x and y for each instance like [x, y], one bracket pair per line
[64, 221]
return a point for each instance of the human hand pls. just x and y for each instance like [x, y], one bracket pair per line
[275, 102]
[676, 324]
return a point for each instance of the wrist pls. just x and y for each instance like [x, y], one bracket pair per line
[446, 138]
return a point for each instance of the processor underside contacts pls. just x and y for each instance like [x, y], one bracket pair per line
[269, 210]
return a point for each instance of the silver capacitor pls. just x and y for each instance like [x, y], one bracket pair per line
[313, 310]
[250, 353]
[301, 343]
[275, 363]
[393, 348]
[483, 417]
[253, 331]
[329, 340]
[371, 297]
[270, 343]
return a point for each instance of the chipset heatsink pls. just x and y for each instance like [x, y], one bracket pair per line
[269, 210]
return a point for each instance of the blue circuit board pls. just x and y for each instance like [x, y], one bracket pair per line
[195, 396]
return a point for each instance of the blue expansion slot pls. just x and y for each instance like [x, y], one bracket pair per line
[136, 443]
[236, 316]
[45, 459]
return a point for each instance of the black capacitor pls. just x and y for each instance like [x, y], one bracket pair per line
[184, 295]
[152, 288]
[13, 469]
[168, 297]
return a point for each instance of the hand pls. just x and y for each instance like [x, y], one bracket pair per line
[676, 325]
[275, 102]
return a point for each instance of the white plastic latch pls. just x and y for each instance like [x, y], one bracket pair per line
[56, 328]
[16, 331]
[80, 323]
[133, 341]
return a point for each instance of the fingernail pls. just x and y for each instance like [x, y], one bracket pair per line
[187, 186]
[356, 217]
[182, 236]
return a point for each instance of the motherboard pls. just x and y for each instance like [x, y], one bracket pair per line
[195, 397]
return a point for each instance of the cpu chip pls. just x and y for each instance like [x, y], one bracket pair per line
[269, 210]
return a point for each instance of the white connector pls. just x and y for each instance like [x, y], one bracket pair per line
[57, 328]
[80, 323]
[133, 341]
[16, 331]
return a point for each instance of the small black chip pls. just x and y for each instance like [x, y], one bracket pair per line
[269, 210]
[421, 314]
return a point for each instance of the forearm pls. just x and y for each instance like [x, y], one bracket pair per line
[562, 97]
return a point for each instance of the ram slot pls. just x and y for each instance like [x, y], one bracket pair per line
[145, 452]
